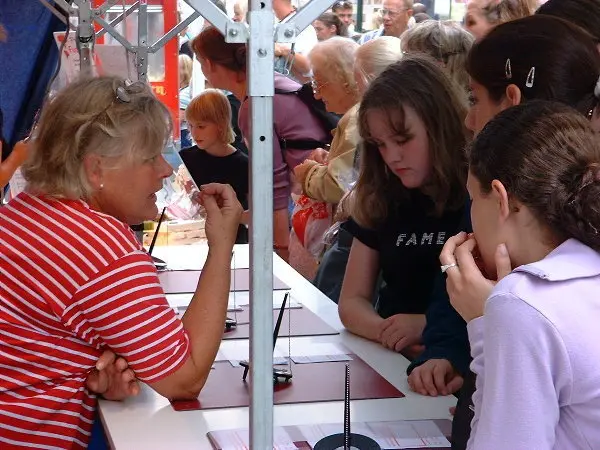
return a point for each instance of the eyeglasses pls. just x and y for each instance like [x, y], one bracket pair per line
[316, 87]
[390, 13]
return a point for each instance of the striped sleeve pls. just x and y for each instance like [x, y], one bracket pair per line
[124, 308]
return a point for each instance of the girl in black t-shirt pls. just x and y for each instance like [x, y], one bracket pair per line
[213, 159]
[410, 197]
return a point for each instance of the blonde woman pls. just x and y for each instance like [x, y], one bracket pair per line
[74, 281]
[446, 41]
[371, 59]
[483, 15]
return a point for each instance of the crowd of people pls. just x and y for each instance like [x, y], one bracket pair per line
[460, 168]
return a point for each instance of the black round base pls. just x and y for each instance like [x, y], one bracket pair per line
[357, 441]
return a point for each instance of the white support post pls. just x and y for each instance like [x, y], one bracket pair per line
[85, 37]
[260, 90]
[141, 52]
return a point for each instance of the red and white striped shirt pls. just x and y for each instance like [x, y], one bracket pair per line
[73, 282]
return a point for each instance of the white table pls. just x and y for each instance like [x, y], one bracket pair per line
[149, 422]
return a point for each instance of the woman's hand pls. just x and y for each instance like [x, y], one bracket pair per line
[112, 378]
[435, 377]
[301, 170]
[319, 155]
[223, 213]
[401, 330]
[467, 287]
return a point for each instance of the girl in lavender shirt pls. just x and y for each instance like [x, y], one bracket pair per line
[534, 180]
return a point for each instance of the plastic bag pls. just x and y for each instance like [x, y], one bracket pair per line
[310, 220]
[179, 192]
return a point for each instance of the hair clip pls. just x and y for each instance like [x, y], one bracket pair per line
[508, 69]
[530, 78]
[123, 95]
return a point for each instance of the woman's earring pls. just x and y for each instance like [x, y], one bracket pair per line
[101, 186]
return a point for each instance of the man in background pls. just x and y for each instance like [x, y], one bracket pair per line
[396, 15]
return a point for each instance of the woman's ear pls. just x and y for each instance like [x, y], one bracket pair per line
[512, 95]
[94, 172]
[501, 196]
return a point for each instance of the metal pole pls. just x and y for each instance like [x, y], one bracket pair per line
[85, 37]
[142, 47]
[359, 15]
[261, 90]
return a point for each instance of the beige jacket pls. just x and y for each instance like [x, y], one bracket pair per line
[324, 182]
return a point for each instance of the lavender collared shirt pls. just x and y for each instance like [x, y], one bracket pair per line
[536, 354]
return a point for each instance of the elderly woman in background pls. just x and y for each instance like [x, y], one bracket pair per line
[483, 15]
[446, 41]
[327, 175]
[371, 59]
[74, 281]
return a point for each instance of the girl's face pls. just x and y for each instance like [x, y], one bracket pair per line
[323, 31]
[486, 223]
[407, 155]
[475, 21]
[205, 134]
[482, 109]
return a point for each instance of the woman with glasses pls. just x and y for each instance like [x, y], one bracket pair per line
[327, 175]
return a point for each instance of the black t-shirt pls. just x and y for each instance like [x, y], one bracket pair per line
[232, 169]
[409, 243]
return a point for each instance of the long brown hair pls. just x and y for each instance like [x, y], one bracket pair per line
[418, 82]
[547, 157]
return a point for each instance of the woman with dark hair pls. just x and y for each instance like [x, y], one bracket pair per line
[538, 57]
[328, 25]
[534, 181]
[584, 13]
[409, 197]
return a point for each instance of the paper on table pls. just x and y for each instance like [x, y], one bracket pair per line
[240, 439]
[389, 435]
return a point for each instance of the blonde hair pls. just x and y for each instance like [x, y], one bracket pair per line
[502, 11]
[103, 116]
[186, 66]
[446, 41]
[212, 106]
[335, 58]
[373, 57]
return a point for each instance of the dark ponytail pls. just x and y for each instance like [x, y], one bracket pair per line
[548, 158]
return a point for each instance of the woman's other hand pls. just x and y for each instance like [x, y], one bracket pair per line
[112, 378]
